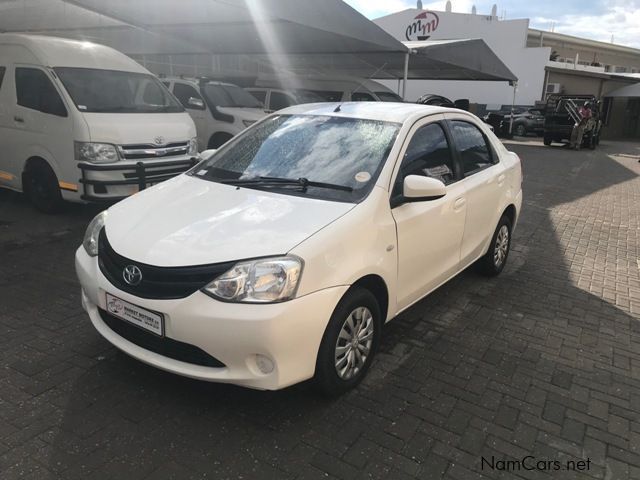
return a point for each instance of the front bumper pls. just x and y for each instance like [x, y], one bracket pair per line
[116, 181]
[287, 333]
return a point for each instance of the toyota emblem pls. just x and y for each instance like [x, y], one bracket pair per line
[132, 275]
[159, 140]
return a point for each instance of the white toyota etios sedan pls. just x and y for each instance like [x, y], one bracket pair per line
[280, 257]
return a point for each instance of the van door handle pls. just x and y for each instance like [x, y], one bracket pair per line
[458, 204]
[18, 119]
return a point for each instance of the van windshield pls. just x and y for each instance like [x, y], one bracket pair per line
[346, 153]
[112, 91]
[230, 96]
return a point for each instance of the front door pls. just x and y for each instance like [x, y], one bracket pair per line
[429, 232]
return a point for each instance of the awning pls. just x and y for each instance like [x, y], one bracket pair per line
[629, 91]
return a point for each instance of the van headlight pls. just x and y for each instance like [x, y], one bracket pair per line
[193, 147]
[266, 280]
[90, 241]
[96, 152]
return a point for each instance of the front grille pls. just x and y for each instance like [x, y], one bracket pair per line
[165, 346]
[156, 173]
[157, 282]
[143, 151]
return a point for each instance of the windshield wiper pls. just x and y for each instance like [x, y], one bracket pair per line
[301, 182]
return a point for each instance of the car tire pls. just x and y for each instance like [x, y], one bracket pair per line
[41, 187]
[339, 365]
[547, 140]
[521, 131]
[495, 259]
[218, 139]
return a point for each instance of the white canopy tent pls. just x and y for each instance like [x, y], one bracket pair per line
[295, 35]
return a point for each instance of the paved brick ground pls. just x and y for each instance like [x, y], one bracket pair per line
[542, 361]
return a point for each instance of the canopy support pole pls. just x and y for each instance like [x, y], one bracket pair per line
[406, 74]
[513, 102]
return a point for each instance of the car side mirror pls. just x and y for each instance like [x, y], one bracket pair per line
[207, 154]
[417, 188]
[195, 103]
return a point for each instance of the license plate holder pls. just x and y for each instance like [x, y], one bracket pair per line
[143, 318]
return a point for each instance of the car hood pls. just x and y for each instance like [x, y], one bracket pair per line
[139, 128]
[189, 221]
[253, 114]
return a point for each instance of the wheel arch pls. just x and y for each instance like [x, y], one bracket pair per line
[511, 213]
[218, 139]
[378, 287]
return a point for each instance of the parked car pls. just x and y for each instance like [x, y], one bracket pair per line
[220, 110]
[275, 99]
[280, 257]
[83, 122]
[525, 121]
[330, 88]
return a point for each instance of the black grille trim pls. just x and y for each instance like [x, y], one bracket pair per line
[157, 282]
[165, 346]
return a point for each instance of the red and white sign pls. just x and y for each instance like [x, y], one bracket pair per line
[423, 25]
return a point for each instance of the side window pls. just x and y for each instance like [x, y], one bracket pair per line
[428, 154]
[184, 93]
[2, 70]
[279, 101]
[166, 84]
[361, 97]
[475, 154]
[34, 90]
[260, 95]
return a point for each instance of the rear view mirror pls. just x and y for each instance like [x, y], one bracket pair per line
[195, 103]
[418, 188]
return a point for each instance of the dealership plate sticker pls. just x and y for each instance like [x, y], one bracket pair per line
[151, 321]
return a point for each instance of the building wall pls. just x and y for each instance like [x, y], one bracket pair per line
[507, 38]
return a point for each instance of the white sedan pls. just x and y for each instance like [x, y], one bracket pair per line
[279, 258]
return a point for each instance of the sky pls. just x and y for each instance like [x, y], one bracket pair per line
[594, 19]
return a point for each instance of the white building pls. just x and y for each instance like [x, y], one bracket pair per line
[507, 38]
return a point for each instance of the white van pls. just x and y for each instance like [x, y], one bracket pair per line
[83, 122]
[220, 110]
[277, 92]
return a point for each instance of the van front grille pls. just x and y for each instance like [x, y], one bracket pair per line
[144, 151]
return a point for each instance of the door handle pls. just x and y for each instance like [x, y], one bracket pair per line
[458, 204]
[18, 119]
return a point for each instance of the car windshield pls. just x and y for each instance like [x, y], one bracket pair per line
[388, 97]
[347, 152]
[111, 91]
[230, 96]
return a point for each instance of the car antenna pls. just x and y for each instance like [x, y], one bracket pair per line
[337, 109]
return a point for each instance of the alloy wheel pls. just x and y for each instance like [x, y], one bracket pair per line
[354, 343]
[502, 246]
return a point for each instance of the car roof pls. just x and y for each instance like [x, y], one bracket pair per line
[384, 111]
[63, 52]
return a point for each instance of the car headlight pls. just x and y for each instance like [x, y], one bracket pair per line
[248, 123]
[90, 241]
[96, 152]
[193, 147]
[266, 280]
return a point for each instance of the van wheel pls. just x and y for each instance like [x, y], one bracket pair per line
[349, 342]
[218, 139]
[496, 257]
[41, 187]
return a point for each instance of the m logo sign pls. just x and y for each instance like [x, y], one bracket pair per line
[423, 25]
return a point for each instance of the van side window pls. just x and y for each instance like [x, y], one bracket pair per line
[280, 100]
[34, 90]
[2, 70]
[475, 154]
[429, 155]
[184, 93]
[261, 95]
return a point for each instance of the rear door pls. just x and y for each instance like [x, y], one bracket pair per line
[483, 182]
[429, 232]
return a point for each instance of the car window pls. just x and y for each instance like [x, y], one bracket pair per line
[324, 95]
[226, 95]
[261, 95]
[429, 155]
[362, 97]
[34, 90]
[279, 101]
[166, 84]
[184, 92]
[389, 97]
[2, 70]
[475, 154]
